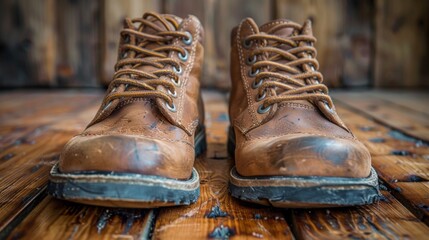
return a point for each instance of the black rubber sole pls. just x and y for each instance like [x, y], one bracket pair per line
[305, 192]
[126, 189]
[302, 192]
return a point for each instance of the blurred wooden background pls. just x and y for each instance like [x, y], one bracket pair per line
[73, 43]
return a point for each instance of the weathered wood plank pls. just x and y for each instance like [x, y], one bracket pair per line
[401, 50]
[55, 219]
[401, 169]
[387, 219]
[343, 31]
[32, 138]
[113, 13]
[44, 107]
[78, 42]
[216, 214]
[400, 160]
[28, 39]
[407, 120]
[397, 157]
[415, 100]
[25, 173]
[417, 195]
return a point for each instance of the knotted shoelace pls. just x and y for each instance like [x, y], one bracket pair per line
[302, 81]
[134, 53]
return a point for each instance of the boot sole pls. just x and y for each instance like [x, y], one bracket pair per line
[303, 192]
[127, 190]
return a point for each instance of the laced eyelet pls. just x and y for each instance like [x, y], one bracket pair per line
[327, 105]
[260, 98]
[173, 94]
[253, 73]
[188, 40]
[262, 109]
[185, 57]
[178, 70]
[127, 39]
[250, 61]
[247, 44]
[177, 83]
[255, 84]
[107, 105]
[113, 90]
[124, 54]
[171, 108]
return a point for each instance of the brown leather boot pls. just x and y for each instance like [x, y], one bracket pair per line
[139, 149]
[291, 148]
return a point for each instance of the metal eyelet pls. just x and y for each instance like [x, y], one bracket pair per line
[260, 98]
[177, 83]
[113, 90]
[124, 54]
[185, 57]
[327, 105]
[107, 105]
[178, 70]
[173, 94]
[171, 108]
[247, 44]
[262, 110]
[188, 40]
[255, 84]
[127, 39]
[251, 61]
[253, 73]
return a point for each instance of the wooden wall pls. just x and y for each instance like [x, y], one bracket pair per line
[73, 43]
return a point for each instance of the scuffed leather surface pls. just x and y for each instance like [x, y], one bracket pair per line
[141, 135]
[296, 139]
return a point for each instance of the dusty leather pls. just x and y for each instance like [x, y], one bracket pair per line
[140, 135]
[294, 138]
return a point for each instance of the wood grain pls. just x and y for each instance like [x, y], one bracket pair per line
[78, 24]
[415, 100]
[417, 196]
[27, 42]
[35, 124]
[55, 219]
[31, 141]
[398, 158]
[407, 120]
[387, 219]
[401, 57]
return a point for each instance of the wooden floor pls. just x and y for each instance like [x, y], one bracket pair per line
[34, 125]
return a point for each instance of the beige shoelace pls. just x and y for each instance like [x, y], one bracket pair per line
[135, 54]
[303, 81]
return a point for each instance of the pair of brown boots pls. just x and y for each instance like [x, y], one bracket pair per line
[291, 149]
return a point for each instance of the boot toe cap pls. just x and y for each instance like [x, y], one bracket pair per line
[304, 155]
[127, 154]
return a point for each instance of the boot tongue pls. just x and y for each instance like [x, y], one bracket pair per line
[273, 28]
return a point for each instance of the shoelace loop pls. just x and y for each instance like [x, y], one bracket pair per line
[302, 81]
[134, 53]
